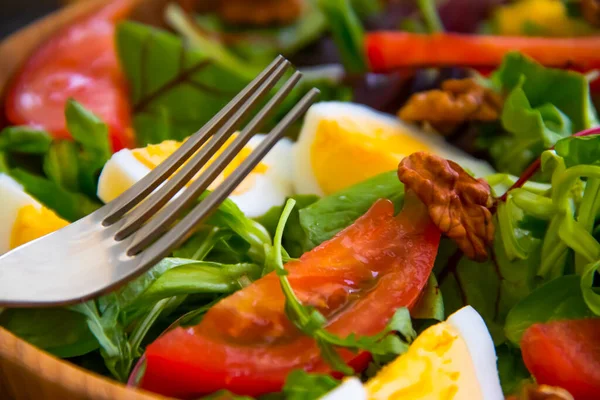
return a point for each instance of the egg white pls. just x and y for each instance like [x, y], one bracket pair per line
[304, 178]
[13, 198]
[267, 189]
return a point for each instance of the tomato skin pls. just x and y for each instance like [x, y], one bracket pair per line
[246, 344]
[77, 62]
[565, 354]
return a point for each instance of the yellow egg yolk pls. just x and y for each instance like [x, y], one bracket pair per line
[345, 152]
[32, 223]
[538, 18]
[154, 154]
[437, 366]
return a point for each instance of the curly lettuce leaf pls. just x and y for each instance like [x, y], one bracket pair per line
[579, 150]
[542, 106]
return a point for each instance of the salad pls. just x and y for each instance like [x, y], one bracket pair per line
[429, 230]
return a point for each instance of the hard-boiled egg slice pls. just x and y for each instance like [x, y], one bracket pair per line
[454, 359]
[266, 186]
[341, 144]
[23, 218]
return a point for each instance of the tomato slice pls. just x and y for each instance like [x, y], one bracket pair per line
[358, 279]
[78, 62]
[565, 354]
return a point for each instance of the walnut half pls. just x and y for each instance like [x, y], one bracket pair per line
[458, 203]
[457, 101]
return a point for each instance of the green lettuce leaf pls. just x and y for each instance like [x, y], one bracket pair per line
[542, 106]
[301, 385]
[579, 150]
[511, 369]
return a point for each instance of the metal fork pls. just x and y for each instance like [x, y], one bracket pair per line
[120, 241]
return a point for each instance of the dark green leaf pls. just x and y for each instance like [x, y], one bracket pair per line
[323, 219]
[301, 385]
[71, 206]
[24, 139]
[347, 32]
[431, 303]
[199, 277]
[172, 85]
[3, 163]
[91, 134]
[111, 336]
[590, 288]
[225, 395]
[512, 370]
[560, 298]
[58, 331]
[61, 164]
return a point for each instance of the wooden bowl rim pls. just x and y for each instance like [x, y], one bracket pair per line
[15, 352]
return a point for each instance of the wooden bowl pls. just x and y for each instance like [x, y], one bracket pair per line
[25, 371]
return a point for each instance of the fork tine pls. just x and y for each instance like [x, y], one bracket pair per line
[181, 231]
[157, 200]
[167, 216]
[141, 189]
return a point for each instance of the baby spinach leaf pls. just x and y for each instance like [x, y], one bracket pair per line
[590, 288]
[61, 164]
[431, 303]
[58, 331]
[511, 369]
[69, 205]
[561, 298]
[24, 139]
[579, 150]
[301, 385]
[326, 217]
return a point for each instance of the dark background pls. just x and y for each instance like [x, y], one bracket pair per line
[15, 14]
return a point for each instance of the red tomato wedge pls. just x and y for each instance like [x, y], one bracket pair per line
[78, 62]
[357, 279]
[565, 354]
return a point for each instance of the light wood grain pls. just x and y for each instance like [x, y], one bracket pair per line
[27, 373]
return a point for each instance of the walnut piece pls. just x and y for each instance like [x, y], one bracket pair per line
[260, 12]
[458, 203]
[458, 100]
[543, 392]
[591, 11]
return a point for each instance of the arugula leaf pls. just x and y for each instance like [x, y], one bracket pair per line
[579, 150]
[543, 106]
[326, 217]
[561, 298]
[511, 369]
[200, 244]
[347, 32]
[24, 139]
[56, 330]
[4, 168]
[430, 15]
[311, 322]
[301, 385]
[70, 206]
[431, 303]
[108, 330]
[61, 164]
[589, 287]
